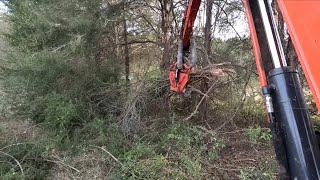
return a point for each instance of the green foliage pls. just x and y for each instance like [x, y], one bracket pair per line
[32, 158]
[178, 154]
[264, 171]
[257, 134]
[191, 168]
[40, 25]
[256, 112]
[53, 76]
[186, 139]
[142, 162]
[57, 112]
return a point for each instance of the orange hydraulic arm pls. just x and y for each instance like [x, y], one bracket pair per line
[180, 72]
[188, 22]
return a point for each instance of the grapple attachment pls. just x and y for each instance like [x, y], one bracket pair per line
[179, 78]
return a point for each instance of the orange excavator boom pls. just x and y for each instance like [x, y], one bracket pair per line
[188, 22]
[303, 21]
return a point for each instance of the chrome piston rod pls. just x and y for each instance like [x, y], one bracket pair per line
[272, 34]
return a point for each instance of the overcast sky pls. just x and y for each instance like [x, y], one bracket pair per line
[2, 8]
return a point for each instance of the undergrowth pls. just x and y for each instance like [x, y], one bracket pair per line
[265, 171]
[65, 75]
[177, 153]
[32, 159]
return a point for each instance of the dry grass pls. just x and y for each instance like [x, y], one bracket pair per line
[86, 165]
[19, 131]
[240, 154]
[4, 28]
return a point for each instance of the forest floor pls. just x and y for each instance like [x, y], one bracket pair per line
[246, 154]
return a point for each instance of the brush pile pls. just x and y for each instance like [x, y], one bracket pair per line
[210, 73]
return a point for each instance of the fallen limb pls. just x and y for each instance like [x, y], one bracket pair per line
[112, 156]
[18, 163]
[202, 99]
[17, 144]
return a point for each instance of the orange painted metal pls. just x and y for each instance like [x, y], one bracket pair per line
[188, 22]
[255, 44]
[183, 78]
[302, 18]
[256, 47]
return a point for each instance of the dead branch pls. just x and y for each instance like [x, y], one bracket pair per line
[17, 144]
[18, 163]
[212, 70]
[112, 156]
[202, 99]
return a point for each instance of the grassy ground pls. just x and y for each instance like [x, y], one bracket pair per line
[245, 154]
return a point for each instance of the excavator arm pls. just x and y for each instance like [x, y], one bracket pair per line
[294, 140]
[188, 23]
[180, 71]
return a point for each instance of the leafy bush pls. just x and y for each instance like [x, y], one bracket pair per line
[142, 162]
[57, 112]
[193, 140]
[257, 134]
[54, 75]
[264, 172]
[178, 154]
[31, 157]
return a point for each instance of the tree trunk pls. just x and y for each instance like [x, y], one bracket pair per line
[291, 55]
[280, 22]
[203, 112]
[208, 32]
[126, 46]
[166, 9]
